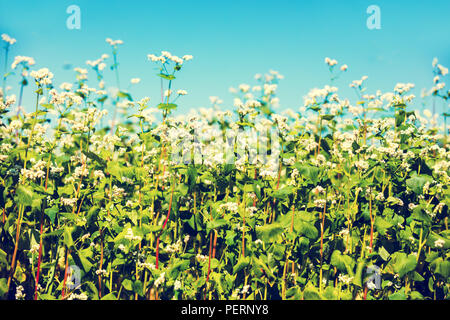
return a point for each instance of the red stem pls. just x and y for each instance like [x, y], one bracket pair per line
[164, 225]
[39, 257]
[209, 260]
[65, 274]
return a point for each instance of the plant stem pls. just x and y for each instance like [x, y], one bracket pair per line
[164, 225]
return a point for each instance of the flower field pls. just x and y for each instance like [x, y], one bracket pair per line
[342, 198]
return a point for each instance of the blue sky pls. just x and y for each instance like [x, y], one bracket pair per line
[233, 40]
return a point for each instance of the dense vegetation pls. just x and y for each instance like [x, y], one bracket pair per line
[337, 200]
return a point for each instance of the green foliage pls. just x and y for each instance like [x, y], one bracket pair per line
[185, 207]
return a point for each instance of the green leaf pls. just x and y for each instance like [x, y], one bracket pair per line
[3, 286]
[327, 117]
[283, 193]
[383, 254]
[25, 195]
[3, 257]
[67, 237]
[166, 76]
[419, 214]
[417, 277]
[403, 263]
[126, 95]
[382, 225]
[150, 228]
[46, 296]
[183, 189]
[179, 267]
[343, 262]
[358, 278]
[416, 183]
[241, 264]
[95, 157]
[278, 250]
[127, 284]
[79, 258]
[399, 295]
[51, 213]
[109, 296]
[306, 229]
[434, 236]
[215, 224]
[167, 106]
[138, 287]
[311, 293]
[400, 118]
[309, 172]
[115, 169]
[442, 267]
[269, 232]
[416, 295]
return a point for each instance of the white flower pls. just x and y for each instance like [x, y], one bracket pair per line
[19, 293]
[330, 62]
[442, 70]
[8, 39]
[201, 258]
[439, 243]
[74, 296]
[318, 190]
[160, 279]
[25, 61]
[215, 100]
[345, 279]
[135, 80]
[434, 63]
[69, 201]
[230, 206]
[114, 43]
[244, 87]
[85, 236]
[245, 289]
[371, 285]
[259, 241]
[43, 76]
[177, 285]
[101, 272]
[427, 113]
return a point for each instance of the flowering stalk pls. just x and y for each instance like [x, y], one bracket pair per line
[101, 265]
[321, 240]
[372, 220]
[66, 273]
[243, 231]
[210, 250]
[164, 225]
[6, 69]
[40, 235]
[21, 206]
[272, 217]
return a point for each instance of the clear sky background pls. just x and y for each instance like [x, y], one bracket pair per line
[233, 40]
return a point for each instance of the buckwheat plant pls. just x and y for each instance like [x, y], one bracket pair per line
[235, 201]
